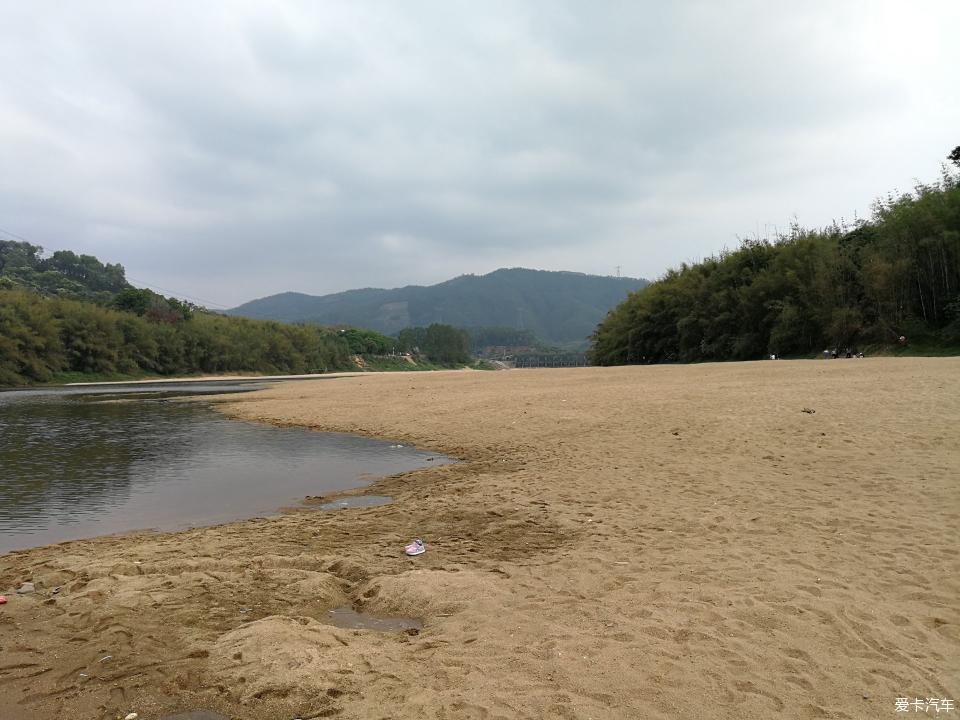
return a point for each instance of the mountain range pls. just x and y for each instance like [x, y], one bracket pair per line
[559, 307]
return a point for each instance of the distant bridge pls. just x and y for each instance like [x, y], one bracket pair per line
[551, 361]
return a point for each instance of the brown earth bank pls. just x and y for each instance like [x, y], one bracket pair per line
[746, 540]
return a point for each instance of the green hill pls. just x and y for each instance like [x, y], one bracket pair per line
[70, 317]
[559, 307]
[63, 274]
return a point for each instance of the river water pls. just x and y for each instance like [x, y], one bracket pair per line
[80, 462]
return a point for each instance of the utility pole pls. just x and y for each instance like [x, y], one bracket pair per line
[618, 271]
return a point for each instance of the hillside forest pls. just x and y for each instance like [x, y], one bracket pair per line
[890, 281]
[69, 316]
[559, 308]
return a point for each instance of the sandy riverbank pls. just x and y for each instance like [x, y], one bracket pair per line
[662, 542]
[240, 377]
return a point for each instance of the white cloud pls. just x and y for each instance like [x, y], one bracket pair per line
[249, 148]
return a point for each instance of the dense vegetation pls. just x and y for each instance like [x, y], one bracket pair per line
[72, 316]
[368, 342]
[64, 273]
[436, 345]
[43, 337]
[558, 307]
[897, 274]
[441, 344]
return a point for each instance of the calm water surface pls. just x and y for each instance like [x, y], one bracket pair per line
[79, 462]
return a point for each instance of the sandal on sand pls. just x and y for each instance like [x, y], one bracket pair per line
[415, 548]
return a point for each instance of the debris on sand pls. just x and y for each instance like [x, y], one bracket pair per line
[415, 548]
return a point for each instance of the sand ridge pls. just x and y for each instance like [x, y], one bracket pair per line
[652, 542]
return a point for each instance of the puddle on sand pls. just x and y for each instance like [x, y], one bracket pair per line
[73, 466]
[350, 619]
[359, 501]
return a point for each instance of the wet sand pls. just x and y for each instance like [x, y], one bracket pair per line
[656, 542]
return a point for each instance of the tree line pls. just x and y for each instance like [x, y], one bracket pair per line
[64, 273]
[70, 313]
[436, 343]
[42, 337]
[891, 279]
[442, 344]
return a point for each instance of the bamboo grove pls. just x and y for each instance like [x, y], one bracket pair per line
[891, 280]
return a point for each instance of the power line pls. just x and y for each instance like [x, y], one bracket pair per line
[206, 303]
[14, 235]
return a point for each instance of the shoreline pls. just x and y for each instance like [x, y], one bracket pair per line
[285, 501]
[186, 379]
[212, 378]
[611, 540]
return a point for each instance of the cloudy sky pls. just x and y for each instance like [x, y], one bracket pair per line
[230, 150]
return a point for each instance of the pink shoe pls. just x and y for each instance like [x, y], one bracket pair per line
[415, 548]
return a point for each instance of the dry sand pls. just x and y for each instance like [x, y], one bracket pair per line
[658, 542]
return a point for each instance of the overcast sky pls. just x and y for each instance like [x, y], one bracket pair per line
[230, 150]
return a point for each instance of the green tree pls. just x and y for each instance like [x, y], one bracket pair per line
[897, 273]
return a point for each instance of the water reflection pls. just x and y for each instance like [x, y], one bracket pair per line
[76, 463]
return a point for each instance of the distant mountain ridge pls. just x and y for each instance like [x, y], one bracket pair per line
[559, 307]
